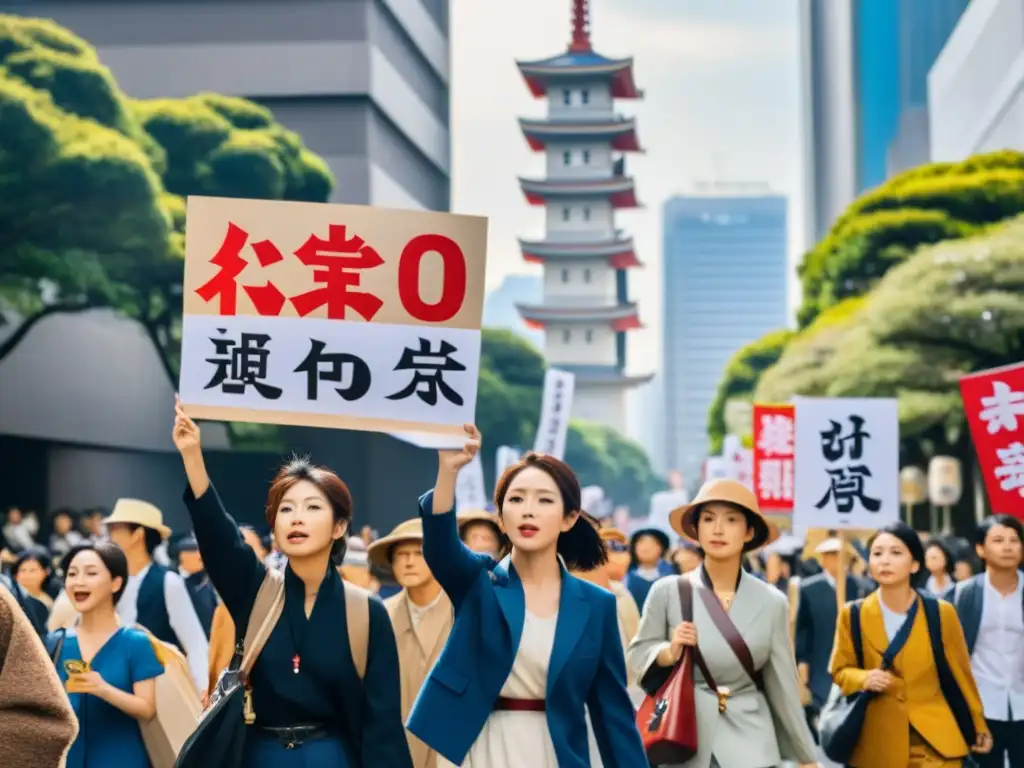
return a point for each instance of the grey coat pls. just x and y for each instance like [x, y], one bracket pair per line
[757, 730]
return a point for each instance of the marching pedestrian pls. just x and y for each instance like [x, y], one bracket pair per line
[533, 648]
[736, 617]
[909, 723]
[312, 706]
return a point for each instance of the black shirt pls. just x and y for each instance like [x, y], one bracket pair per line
[327, 690]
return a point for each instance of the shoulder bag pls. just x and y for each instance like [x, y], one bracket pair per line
[667, 719]
[219, 738]
[732, 636]
[947, 682]
[842, 717]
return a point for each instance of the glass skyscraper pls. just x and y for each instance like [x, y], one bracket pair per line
[725, 280]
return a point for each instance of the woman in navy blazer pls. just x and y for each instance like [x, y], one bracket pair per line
[532, 648]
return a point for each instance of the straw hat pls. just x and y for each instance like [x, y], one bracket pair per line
[613, 534]
[136, 512]
[379, 551]
[683, 519]
[478, 516]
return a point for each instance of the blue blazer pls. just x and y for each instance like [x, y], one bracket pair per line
[587, 664]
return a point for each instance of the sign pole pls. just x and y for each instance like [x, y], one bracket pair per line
[841, 576]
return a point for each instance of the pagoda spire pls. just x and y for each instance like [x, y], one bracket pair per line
[580, 27]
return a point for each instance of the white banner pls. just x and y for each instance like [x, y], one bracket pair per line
[662, 503]
[847, 463]
[740, 459]
[554, 414]
[717, 468]
[470, 493]
[592, 500]
[504, 458]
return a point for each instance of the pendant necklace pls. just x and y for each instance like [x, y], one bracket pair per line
[297, 658]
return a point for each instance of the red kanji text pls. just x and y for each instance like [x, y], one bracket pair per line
[340, 258]
[267, 299]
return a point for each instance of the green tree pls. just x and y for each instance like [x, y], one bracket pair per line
[82, 220]
[740, 378]
[933, 203]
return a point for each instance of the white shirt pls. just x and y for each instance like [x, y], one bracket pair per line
[417, 612]
[183, 620]
[998, 658]
[893, 621]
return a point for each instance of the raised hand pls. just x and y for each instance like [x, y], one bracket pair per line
[454, 460]
[186, 433]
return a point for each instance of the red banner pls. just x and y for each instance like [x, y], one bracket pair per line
[994, 406]
[774, 454]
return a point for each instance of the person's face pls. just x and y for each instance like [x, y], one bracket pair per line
[408, 565]
[94, 524]
[618, 560]
[31, 576]
[830, 562]
[61, 524]
[934, 561]
[88, 582]
[1001, 548]
[14, 516]
[722, 531]
[962, 570]
[305, 525]
[190, 562]
[890, 561]
[533, 514]
[647, 549]
[252, 539]
[686, 560]
[126, 537]
[481, 537]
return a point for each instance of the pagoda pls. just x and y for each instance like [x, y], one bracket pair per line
[586, 311]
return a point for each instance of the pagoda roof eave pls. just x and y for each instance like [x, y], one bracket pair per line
[585, 65]
[619, 317]
[619, 254]
[606, 378]
[620, 191]
[620, 133]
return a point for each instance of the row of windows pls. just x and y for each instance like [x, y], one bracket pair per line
[567, 213]
[568, 155]
[567, 96]
[586, 275]
[567, 335]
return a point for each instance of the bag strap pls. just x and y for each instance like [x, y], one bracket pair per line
[357, 618]
[266, 610]
[897, 643]
[732, 635]
[686, 604]
[947, 683]
[858, 641]
[56, 647]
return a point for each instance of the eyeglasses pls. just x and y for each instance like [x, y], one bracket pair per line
[617, 546]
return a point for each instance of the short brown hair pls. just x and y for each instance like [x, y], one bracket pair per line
[332, 486]
[581, 546]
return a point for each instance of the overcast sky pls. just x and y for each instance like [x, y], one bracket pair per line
[722, 102]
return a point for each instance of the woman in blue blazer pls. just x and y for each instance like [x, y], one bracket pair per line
[532, 648]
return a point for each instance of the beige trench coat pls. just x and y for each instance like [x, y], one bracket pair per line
[418, 649]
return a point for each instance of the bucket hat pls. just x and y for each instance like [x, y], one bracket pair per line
[137, 512]
[683, 519]
[379, 551]
[478, 516]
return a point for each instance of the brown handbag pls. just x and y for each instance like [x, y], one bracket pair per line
[667, 721]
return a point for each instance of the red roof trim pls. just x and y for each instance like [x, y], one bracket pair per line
[631, 323]
[624, 260]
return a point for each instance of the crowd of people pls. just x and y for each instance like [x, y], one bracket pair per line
[526, 636]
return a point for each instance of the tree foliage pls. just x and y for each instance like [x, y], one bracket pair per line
[740, 378]
[92, 208]
[930, 204]
[508, 410]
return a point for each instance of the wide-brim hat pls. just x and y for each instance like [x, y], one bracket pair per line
[683, 519]
[478, 516]
[137, 512]
[379, 551]
[654, 533]
[613, 534]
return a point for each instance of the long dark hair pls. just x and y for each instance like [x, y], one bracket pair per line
[581, 546]
[912, 541]
[110, 555]
[332, 486]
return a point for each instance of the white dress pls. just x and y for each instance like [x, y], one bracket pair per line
[519, 739]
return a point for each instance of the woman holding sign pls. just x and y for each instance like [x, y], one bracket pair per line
[533, 648]
[313, 704]
[747, 701]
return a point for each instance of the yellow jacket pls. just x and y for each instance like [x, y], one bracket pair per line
[915, 699]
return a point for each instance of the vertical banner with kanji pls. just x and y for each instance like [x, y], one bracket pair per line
[470, 493]
[504, 458]
[331, 315]
[556, 406]
[774, 433]
[847, 460]
[994, 405]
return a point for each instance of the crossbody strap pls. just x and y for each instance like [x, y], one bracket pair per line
[858, 641]
[266, 610]
[357, 617]
[686, 604]
[732, 635]
[897, 643]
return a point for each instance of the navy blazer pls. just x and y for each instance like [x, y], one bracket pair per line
[816, 629]
[587, 668]
[968, 597]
